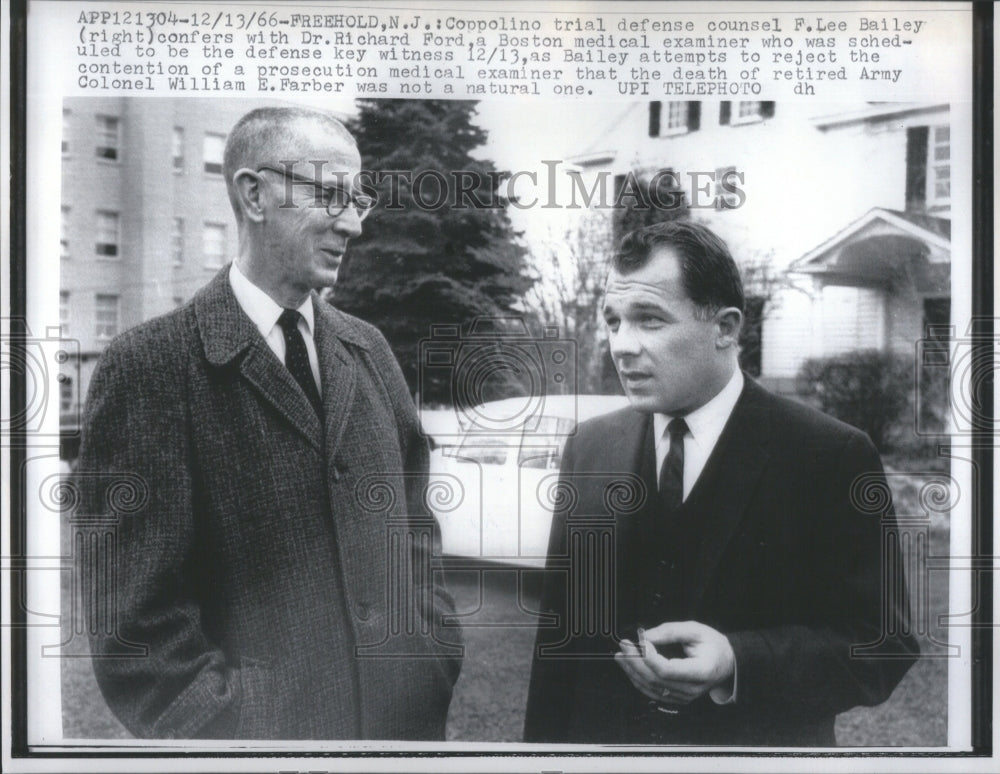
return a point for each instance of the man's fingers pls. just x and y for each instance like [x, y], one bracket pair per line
[641, 684]
[643, 678]
[682, 670]
[639, 672]
[675, 632]
[634, 663]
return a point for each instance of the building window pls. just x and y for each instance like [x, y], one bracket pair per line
[108, 137]
[939, 166]
[65, 132]
[65, 393]
[680, 117]
[107, 234]
[746, 112]
[106, 316]
[934, 383]
[177, 149]
[64, 233]
[677, 114]
[214, 245]
[214, 147]
[63, 313]
[177, 242]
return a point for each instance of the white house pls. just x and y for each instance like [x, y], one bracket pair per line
[851, 201]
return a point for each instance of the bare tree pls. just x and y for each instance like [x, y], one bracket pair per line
[571, 268]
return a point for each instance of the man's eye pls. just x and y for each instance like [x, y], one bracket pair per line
[336, 196]
[649, 321]
[611, 322]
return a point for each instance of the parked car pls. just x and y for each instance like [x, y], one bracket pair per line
[491, 479]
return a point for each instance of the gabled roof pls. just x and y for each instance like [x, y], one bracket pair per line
[932, 223]
[933, 231]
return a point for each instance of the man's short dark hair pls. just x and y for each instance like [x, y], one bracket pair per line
[709, 273]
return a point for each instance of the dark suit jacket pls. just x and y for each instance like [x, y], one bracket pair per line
[275, 573]
[771, 548]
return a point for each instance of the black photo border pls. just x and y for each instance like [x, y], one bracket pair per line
[983, 451]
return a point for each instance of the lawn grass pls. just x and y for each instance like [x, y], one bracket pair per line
[490, 696]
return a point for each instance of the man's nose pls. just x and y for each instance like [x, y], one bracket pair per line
[623, 342]
[348, 223]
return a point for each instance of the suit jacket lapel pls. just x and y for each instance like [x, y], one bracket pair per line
[724, 488]
[228, 333]
[628, 450]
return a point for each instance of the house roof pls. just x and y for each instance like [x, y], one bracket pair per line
[876, 111]
[882, 245]
[604, 147]
[932, 223]
[933, 230]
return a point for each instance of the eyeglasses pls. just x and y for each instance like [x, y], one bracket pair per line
[336, 200]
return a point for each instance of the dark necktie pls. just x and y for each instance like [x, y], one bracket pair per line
[296, 358]
[671, 482]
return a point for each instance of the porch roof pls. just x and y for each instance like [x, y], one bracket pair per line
[880, 248]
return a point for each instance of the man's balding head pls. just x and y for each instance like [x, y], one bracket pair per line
[272, 135]
[282, 167]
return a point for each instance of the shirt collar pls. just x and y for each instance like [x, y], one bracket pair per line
[705, 423]
[263, 310]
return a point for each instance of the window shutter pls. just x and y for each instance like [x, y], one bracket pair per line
[916, 167]
[767, 110]
[694, 116]
[725, 108]
[654, 118]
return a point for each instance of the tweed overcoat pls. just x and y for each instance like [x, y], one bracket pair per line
[277, 579]
[781, 545]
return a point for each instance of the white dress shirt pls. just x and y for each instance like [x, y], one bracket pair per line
[264, 311]
[705, 425]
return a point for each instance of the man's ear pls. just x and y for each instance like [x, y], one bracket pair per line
[249, 194]
[729, 322]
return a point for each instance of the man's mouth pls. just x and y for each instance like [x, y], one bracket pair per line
[636, 377]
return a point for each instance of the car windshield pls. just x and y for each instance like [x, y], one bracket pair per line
[541, 446]
[484, 449]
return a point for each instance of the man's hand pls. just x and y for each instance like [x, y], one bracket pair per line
[708, 662]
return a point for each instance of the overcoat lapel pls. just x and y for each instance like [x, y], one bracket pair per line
[227, 333]
[339, 370]
[277, 385]
[726, 485]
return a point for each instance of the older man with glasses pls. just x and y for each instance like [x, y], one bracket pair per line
[275, 580]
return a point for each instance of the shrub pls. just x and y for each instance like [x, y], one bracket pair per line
[866, 388]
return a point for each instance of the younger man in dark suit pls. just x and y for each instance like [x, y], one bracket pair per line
[739, 598]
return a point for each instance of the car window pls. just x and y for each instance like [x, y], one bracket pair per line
[541, 447]
[481, 449]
